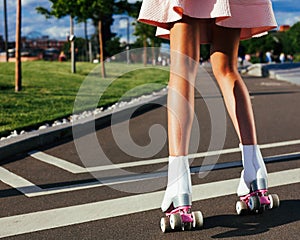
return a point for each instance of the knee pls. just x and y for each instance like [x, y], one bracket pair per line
[222, 71]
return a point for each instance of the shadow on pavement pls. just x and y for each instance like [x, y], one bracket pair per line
[288, 212]
[63, 185]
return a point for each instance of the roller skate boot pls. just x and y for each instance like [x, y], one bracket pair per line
[179, 216]
[177, 200]
[253, 185]
[258, 200]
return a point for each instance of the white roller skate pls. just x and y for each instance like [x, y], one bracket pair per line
[179, 216]
[252, 188]
[258, 200]
[177, 201]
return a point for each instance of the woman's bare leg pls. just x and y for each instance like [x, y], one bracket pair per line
[185, 54]
[224, 54]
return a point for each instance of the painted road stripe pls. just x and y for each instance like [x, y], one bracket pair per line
[70, 167]
[60, 217]
[18, 182]
[30, 190]
[75, 169]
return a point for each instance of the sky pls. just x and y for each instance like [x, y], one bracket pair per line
[286, 12]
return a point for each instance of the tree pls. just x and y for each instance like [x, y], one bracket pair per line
[293, 36]
[270, 42]
[113, 46]
[278, 42]
[59, 9]
[145, 33]
[80, 44]
[100, 11]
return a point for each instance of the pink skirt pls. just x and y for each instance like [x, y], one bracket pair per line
[254, 17]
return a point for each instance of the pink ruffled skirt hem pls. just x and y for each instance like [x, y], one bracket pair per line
[254, 17]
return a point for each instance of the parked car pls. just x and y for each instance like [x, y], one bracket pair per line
[51, 54]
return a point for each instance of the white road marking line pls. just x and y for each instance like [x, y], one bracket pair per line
[73, 168]
[61, 217]
[18, 182]
[31, 190]
[63, 164]
[77, 187]
[279, 144]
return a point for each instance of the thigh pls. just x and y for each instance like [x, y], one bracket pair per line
[224, 47]
[185, 37]
[184, 52]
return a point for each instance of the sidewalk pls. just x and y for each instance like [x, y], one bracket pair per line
[289, 72]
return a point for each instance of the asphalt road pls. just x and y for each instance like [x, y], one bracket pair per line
[53, 192]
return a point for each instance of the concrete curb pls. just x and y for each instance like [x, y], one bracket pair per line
[269, 70]
[40, 138]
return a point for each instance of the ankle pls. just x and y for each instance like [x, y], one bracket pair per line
[179, 174]
[253, 163]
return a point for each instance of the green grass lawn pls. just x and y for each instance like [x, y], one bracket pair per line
[49, 90]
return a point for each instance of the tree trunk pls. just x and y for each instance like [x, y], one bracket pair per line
[101, 49]
[18, 65]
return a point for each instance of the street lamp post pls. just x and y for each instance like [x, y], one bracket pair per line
[18, 66]
[5, 29]
[128, 38]
[90, 50]
[72, 40]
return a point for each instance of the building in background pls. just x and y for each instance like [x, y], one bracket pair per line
[284, 28]
[35, 46]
